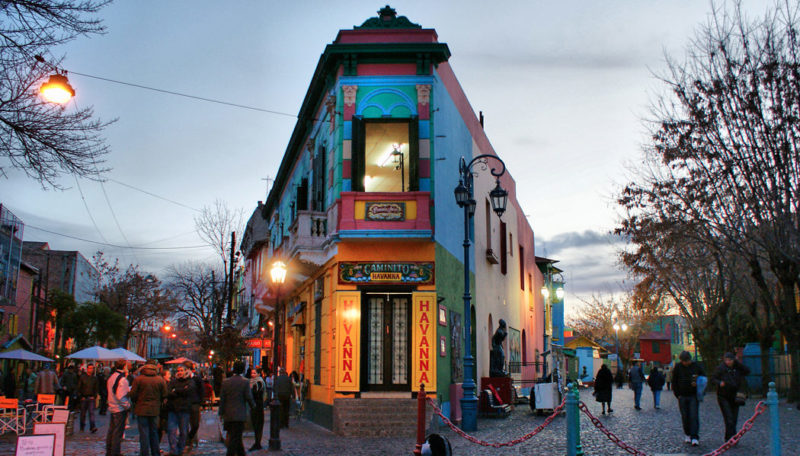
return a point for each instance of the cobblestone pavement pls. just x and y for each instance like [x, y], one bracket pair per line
[656, 432]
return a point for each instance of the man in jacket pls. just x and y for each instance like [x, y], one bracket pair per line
[69, 382]
[684, 386]
[87, 393]
[235, 397]
[729, 377]
[46, 382]
[636, 377]
[283, 391]
[118, 405]
[197, 401]
[180, 394]
[148, 393]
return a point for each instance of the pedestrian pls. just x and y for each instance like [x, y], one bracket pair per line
[69, 382]
[619, 378]
[166, 375]
[219, 375]
[148, 393]
[729, 378]
[235, 396]
[258, 388]
[283, 391]
[102, 377]
[268, 383]
[118, 405]
[684, 386]
[636, 377]
[197, 401]
[27, 383]
[88, 389]
[46, 381]
[180, 394]
[668, 377]
[656, 381]
[603, 385]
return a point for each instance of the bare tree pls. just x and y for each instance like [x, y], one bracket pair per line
[136, 295]
[595, 318]
[725, 154]
[196, 293]
[42, 139]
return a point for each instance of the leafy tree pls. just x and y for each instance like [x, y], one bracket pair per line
[723, 159]
[93, 323]
[136, 295]
[40, 138]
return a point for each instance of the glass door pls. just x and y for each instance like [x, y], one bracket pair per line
[388, 345]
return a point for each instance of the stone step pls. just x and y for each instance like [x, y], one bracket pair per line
[375, 417]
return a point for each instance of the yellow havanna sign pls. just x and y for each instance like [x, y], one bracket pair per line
[348, 340]
[423, 348]
[385, 277]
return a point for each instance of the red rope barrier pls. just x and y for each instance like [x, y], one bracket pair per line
[517, 441]
[760, 409]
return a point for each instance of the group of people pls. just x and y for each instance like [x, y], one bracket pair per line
[683, 379]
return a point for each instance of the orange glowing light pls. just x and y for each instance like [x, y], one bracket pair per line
[57, 89]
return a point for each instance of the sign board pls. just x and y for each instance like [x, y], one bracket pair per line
[385, 211]
[423, 352]
[36, 445]
[348, 340]
[57, 429]
[259, 343]
[383, 273]
[60, 416]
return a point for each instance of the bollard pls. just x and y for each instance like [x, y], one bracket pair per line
[573, 422]
[578, 446]
[775, 431]
[275, 424]
[420, 420]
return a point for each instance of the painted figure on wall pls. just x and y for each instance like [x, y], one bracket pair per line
[497, 358]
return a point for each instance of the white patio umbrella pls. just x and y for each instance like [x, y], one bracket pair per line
[23, 355]
[128, 355]
[96, 353]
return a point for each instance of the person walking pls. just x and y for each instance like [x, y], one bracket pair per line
[668, 377]
[656, 381]
[684, 386]
[619, 378]
[283, 391]
[180, 394]
[258, 388]
[729, 378]
[636, 377]
[197, 401]
[166, 375]
[603, 386]
[102, 377]
[69, 382]
[46, 381]
[148, 394]
[118, 405]
[88, 389]
[235, 396]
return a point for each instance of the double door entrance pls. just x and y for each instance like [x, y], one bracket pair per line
[388, 341]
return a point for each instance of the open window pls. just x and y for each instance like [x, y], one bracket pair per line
[385, 154]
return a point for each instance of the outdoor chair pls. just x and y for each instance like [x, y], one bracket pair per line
[12, 417]
[44, 405]
[492, 406]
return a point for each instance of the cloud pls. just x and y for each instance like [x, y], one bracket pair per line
[574, 239]
[578, 60]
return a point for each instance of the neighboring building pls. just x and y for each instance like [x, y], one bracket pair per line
[362, 211]
[589, 354]
[255, 286]
[65, 270]
[11, 232]
[654, 346]
[670, 328]
[553, 293]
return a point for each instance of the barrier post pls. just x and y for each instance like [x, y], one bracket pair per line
[573, 422]
[774, 432]
[420, 420]
[578, 446]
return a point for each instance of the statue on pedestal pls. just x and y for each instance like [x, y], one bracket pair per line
[497, 358]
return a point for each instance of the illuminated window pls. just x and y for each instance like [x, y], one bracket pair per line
[384, 155]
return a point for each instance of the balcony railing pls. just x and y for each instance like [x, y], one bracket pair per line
[404, 214]
[308, 232]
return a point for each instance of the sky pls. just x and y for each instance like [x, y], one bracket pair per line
[564, 86]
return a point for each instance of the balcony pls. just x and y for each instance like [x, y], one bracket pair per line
[384, 215]
[307, 235]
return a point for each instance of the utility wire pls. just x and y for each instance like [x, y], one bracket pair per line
[114, 216]
[83, 198]
[253, 108]
[154, 195]
[184, 247]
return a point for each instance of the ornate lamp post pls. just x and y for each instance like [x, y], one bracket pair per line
[617, 327]
[465, 199]
[278, 276]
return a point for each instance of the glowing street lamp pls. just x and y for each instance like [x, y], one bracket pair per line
[57, 89]
[278, 276]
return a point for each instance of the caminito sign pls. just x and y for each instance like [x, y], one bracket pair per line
[386, 273]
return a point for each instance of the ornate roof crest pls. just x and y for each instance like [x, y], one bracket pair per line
[387, 18]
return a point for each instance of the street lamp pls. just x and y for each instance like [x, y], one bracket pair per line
[617, 327]
[466, 200]
[278, 276]
[57, 89]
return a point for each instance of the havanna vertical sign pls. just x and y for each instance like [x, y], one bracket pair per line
[423, 349]
[348, 340]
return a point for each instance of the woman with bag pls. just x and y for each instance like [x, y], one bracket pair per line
[729, 378]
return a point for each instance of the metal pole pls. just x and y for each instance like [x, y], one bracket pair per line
[573, 422]
[275, 405]
[420, 420]
[230, 280]
[469, 403]
[774, 429]
[577, 395]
